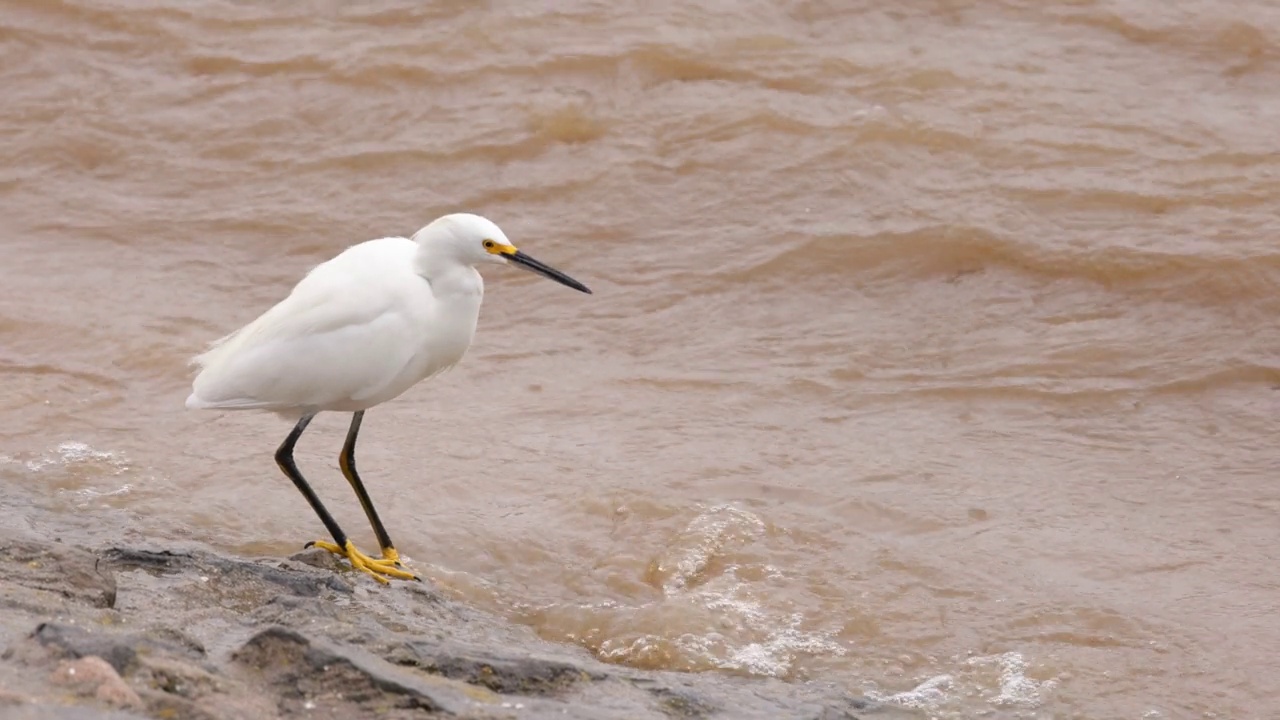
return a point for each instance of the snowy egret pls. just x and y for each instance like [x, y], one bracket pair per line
[357, 331]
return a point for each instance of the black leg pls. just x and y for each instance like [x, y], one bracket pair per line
[347, 460]
[284, 458]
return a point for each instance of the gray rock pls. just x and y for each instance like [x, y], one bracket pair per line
[203, 636]
[306, 584]
[119, 649]
[43, 711]
[494, 668]
[315, 668]
[68, 572]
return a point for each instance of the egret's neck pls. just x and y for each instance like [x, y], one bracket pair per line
[448, 277]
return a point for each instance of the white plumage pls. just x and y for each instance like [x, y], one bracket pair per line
[357, 331]
[352, 334]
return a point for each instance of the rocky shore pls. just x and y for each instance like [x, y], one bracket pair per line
[126, 633]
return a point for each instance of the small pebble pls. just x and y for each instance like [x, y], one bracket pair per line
[94, 676]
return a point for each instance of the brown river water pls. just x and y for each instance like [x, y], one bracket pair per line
[932, 353]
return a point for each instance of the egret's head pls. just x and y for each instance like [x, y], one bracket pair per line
[474, 240]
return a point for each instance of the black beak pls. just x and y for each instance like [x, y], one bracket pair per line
[532, 265]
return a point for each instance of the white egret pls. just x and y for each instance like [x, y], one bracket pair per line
[357, 331]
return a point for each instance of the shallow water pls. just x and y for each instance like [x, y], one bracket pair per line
[932, 352]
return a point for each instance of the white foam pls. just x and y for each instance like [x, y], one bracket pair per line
[709, 534]
[81, 459]
[1016, 689]
[744, 634]
[928, 695]
[73, 452]
[95, 493]
[974, 681]
[775, 655]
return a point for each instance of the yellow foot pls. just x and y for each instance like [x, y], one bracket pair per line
[380, 570]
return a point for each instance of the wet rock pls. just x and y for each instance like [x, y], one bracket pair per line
[66, 712]
[92, 676]
[78, 643]
[67, 572]
[309, 585]
[679, 704]
[119, 650]
[204, 636]
[328, 671]
[501, 672]
[11, 698]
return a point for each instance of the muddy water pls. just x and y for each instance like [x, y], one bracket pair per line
[933, 351]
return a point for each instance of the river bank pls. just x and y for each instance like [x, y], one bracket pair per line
[121, 633]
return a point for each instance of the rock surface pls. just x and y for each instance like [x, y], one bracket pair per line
[125, 634]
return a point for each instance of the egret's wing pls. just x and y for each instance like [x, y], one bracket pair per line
[345, 330]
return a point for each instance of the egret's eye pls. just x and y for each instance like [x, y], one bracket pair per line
[489, 244]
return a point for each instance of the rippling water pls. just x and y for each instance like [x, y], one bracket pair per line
[932, 353]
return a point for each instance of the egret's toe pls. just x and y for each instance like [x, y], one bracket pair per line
[326, 545]
[380, 569]
[390, 555]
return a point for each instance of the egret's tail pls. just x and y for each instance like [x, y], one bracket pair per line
[195, 402]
